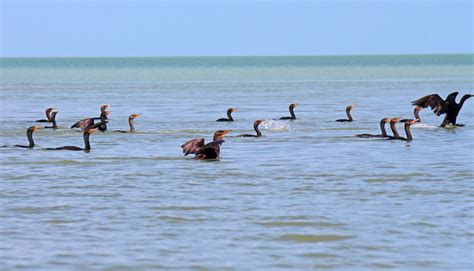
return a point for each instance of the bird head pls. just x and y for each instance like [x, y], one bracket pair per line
[394, 120]
[257, 122]
[133, 116]
[293, 105]
[409, 121]
[418, 108]
[89, 131]
[386, 120]
[230, 110]
[34, 128]
[105, 107]
[221, 134]
[349, 107]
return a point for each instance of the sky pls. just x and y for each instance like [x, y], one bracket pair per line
[233, 28]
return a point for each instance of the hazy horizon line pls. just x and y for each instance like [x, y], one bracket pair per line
[220, 56]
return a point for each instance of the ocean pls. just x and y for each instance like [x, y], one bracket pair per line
[308, 194]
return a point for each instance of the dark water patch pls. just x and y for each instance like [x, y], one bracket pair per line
[310, 238]
[179, 219]
[319, 255]
[300, 224]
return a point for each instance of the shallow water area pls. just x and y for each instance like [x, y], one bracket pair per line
[308, 194]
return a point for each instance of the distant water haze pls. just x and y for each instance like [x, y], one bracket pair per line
[308, 194]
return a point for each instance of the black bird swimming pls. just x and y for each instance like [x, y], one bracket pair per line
[229, 115]
[416, 112]
[130, 123]
[382, 128]
[408, 123]
[48, 117]
[86, 135]
[292, 113]
[89, 122]
[29, 135]
[255, 126]
[440, 106]
[53, 119]
[393, 127]
[205, 151]
[348, 113]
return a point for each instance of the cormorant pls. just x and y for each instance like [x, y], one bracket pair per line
[103, 108]
[86, 135]
[440, 106]
[348, 113]
[382, 128]
[408, 123]
[130, 123]
[416, 112]
[87, 123]
[29, 135]
[48, 117]
[205, 151]
[393, 127]
[53, 119]
[292, 113]
[229, 116]
[255, 126]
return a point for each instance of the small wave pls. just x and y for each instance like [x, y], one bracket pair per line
[275, 125]
[423, 126]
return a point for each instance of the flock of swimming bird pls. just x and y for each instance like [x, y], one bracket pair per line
[211, 150]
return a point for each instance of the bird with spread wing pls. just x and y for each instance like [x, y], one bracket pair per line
[205, 151]
[449, 107]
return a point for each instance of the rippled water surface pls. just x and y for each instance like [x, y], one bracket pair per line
[306, 195]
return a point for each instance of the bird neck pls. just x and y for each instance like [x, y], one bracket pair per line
[417, 115]
[130, 123]
[29, 134]
[382, 128]
[255, 126]
[48, 116]
[463, 99]
[292, 113]
[229, 115]
[408, 132]
[348, 113]
[394, 129]
[87, 145]
[53, 120]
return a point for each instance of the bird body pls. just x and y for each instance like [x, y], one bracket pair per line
[204, 151]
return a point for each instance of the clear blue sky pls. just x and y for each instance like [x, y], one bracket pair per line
[196, 28]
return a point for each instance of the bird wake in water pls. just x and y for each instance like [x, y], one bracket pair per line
[275, 125]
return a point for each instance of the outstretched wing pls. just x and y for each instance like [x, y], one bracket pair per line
[83, 124]
[434, 101]
[193, 146]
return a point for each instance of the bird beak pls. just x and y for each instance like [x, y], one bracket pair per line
[37, 127]
[226, 132]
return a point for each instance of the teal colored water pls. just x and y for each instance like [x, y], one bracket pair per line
[306, 195]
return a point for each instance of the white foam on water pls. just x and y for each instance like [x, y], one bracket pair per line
[275, 125]
[423, 126]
